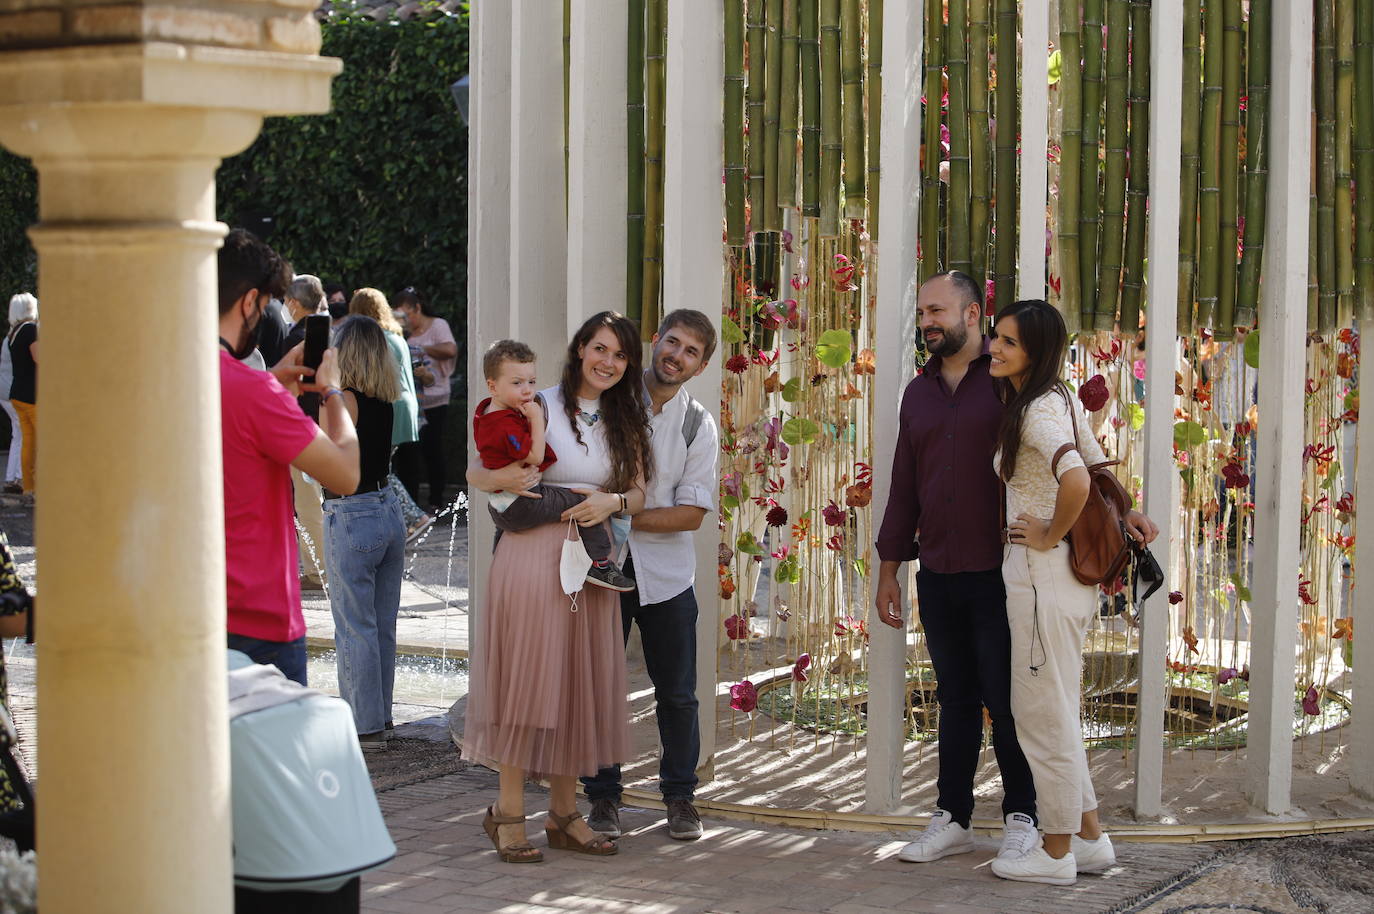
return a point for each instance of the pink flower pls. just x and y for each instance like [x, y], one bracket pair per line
[1227, 675]
[744, 697]
[1094, 393]
[834, 515]
[730, 484]
[799, 668]
[1138, 369]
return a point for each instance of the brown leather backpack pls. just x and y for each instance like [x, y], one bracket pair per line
[1099, 546]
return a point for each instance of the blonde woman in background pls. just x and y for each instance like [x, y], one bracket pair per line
[21, 346]
[22, 307]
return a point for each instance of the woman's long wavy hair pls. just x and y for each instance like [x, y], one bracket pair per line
[371, 303]
[365, 360]
[622, 406]
[1041, 333]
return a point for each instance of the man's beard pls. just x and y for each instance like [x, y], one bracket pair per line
[248, 340]
[950, 341]
[681, 377]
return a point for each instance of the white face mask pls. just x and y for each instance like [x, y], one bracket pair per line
[574, 564]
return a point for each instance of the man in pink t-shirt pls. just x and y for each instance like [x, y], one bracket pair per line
[264, 434]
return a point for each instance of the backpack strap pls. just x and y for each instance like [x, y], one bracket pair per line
[691, 420]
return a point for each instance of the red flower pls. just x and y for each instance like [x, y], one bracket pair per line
[1227, 675]
[1311, 702]
[1235, 478]
[1175, 597]
[776, 517]
[737, 627]
[744, 697]
[737, 364]
[1094, 393]
[799, 668]
[834, 515]
[1305, 592]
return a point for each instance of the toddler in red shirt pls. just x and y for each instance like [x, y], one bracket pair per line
[508, 427]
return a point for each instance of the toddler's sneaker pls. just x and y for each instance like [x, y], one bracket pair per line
[1019, 836]
[1035, 865]
[1093, 856]
[943, 837]
[609, 577]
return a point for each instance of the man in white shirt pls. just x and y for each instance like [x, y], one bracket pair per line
[663, 561]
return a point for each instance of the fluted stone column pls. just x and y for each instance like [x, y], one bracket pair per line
[126, 111]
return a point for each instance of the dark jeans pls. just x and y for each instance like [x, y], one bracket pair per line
[668, 631]
[287, 656]
[965, 620]
[429, 451]
[528, 513]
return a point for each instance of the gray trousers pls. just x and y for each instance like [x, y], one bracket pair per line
[528, 513]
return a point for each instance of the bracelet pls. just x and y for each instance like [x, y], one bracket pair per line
[624, 504]
[330, 392]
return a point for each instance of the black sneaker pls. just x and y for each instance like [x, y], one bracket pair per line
[372, 742]
[389, 730]
[605, 817]
[684, 823]
[609, 577]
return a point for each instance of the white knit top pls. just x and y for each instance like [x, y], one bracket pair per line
[1046, 426]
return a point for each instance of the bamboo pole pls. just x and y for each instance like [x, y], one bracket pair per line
[735, 228]
[634, 160]
[567, 90]
[1364, 160]
[655, 39]
[852, 87]
[1090, 207]
[930, 170]
[874, 88]
[770, 220]
[1008, 129]
[1189, 163]
[1114, 171]
[832, 143]
[1256, 162]
[1313, 286]
[1324, 90]
[1209, 194]
[1345, 214]
[787, 109]
[809, 49]
[959, 200]
[1228, 149]
[1070, 161]
[1138, 188]
[980, 162]
[755, 58]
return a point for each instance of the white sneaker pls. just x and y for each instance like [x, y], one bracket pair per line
[943, 837]
[1093, 856]
[1019, 835]
[1037, 866]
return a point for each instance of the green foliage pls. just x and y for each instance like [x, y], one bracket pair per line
[18, 211]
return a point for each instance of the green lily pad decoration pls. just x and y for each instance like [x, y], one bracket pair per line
[835, 348]
[792, 390]
[1252, 344]
[799, 431]
[746, 543]
[1189, 434]
[1137, 417]
[730, 331]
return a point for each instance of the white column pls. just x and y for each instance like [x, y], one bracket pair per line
[1161, 348]
[538, 220]
[489, 269]
[596, 160]
[1035, 135]
[693, 262]
[1278, 469]
[1362, 605]
[896, 361]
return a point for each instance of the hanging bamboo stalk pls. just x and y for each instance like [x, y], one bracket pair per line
[1189, 163]
[930, 169]
[979, 160]
[852, 87]
[874, 88]
[1008, 129]
[735, 230]
[1228, 148]
[809, 49]
[770, 219]
[1256, 162]
[787, 112]
[655, 41]
[567, 95]
[755, 59]
[1364, 160]
[1070, 163]
[1324, 89]
[1090, 218]
[1313, 286]
[1114, 169]
[832, 143]
[1138, 188]
[1345, 214]
[959, 200]
[1209, 194]
[634, 160]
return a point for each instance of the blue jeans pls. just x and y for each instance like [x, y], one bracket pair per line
[964, 616]
[364, 542]
[668, 631]
[287, 656]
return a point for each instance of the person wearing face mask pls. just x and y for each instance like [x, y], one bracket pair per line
[264, 434]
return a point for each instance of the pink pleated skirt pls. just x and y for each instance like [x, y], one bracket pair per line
[548, 688]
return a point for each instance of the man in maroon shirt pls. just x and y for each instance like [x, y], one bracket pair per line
[945, 504]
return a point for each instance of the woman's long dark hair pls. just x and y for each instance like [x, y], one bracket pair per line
[622, 406]
[1041, 334]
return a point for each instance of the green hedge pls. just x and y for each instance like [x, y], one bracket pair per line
[18, 211]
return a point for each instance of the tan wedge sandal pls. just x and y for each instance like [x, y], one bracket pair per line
[560, 839]
[523, 852]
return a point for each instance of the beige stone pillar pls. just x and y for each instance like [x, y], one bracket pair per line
[126, 112]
